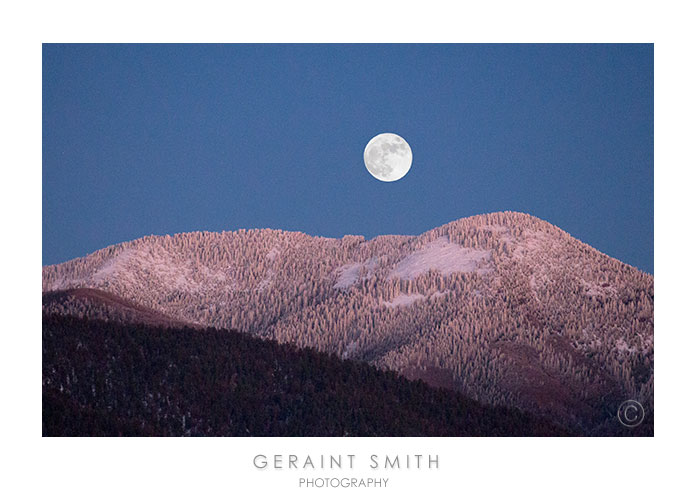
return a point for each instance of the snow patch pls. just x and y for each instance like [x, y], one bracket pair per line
[273, 253]
[439, 294]
[593, 289]
[348, 275]
[403, 300]
[268, 279]
[408, 299]
[443, 256]
[112, 266]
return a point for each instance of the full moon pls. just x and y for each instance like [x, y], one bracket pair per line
[387, 157]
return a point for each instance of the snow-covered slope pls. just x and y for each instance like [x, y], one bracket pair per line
[444, 257]
[504, 306]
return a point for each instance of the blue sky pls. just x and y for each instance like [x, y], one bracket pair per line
[157, 139]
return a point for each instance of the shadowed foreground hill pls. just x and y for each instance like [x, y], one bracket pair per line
[105, 378]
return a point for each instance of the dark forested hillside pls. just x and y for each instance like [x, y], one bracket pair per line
[106, 378]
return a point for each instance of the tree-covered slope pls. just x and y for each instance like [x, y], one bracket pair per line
[105, 378]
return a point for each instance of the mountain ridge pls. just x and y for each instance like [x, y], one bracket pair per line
[506, 307]
[349, 236]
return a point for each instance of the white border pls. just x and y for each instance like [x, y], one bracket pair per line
[219, 470]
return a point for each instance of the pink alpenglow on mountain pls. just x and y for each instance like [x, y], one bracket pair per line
[505, 308]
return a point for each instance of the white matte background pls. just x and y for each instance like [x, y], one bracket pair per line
[220, 470]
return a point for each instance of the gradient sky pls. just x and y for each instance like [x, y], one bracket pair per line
[157, 139]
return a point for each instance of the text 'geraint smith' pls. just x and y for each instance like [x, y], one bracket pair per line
[345, 461]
